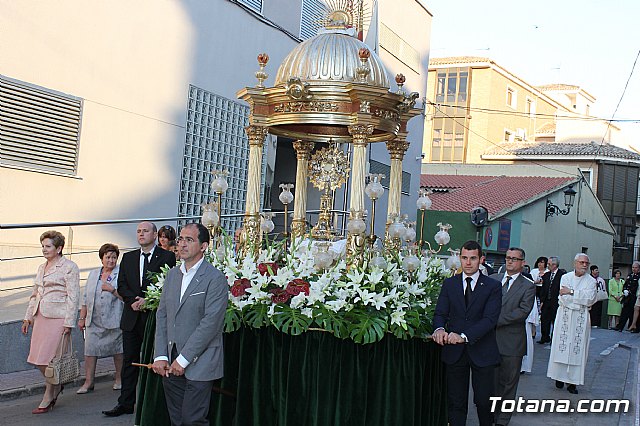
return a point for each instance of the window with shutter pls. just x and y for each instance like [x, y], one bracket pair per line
[252, 4]
[312, 13]
[376, 167]
[39, 128]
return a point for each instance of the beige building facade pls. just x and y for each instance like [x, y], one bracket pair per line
[142, 97]
[474, 104]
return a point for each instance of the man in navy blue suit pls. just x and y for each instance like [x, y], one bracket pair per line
[465, 321]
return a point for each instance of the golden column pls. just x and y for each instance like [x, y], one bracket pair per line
[257, 135]
[303, 153]
[355, 243]
[397, 149]
[360, 134]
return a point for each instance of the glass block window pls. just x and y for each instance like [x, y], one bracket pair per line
[215, 140]
[39, 128]
[252, 4]
[312, 13]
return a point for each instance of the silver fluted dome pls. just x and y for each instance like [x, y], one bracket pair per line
[332, 57]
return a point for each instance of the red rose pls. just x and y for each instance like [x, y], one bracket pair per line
[279, 295]
[239, 287]
[297, 286]
[268, 268]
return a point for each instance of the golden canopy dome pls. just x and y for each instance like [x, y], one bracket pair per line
[330, 56]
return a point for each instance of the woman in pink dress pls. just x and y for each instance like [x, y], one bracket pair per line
[52, 310]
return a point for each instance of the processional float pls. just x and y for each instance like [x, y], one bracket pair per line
[331, 89]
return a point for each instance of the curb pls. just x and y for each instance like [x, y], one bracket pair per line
[632, 418]
[16, 393]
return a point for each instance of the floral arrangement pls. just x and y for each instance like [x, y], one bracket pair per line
[284, 289]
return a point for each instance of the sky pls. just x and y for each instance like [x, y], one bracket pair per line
[591, 44]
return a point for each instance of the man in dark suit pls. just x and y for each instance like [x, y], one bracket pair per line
[549, 298]
[465, 319]
[518, 295]
[132, 282]
[190, 319]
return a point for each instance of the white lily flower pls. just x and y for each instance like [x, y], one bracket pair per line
[307, 311]
[397, 317]
[375, 276]
[298, 301]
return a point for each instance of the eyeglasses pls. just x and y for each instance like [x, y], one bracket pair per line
[187, 239]
[513, 259]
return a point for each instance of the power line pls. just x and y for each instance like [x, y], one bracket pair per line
[624, 91]
[530, 115]
[505, 149]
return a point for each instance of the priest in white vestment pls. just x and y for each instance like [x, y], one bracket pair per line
[572, 327]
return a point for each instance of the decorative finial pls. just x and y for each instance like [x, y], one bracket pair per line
[400, 79]
[363, 70]
[263, 58]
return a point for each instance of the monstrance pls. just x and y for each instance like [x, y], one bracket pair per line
[328, 171]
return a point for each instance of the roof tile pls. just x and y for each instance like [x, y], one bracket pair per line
[591, 149]
[495, 193]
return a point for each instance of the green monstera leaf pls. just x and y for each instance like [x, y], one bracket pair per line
[367, 328]
[232, 320]
[256, 316]
[333, 322]
[290, 321]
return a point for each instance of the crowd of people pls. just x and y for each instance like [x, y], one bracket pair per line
[486, 325]
[485, 322]
[111, 317]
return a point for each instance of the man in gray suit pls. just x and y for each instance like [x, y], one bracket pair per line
[190, 319]
[518, 295]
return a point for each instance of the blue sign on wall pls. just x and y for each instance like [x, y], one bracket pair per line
[504, 235]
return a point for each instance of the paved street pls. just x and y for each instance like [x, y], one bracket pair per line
[611, 374]
[71, 409]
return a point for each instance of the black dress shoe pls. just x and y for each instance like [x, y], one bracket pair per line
[559, 384]
[118, 410]
[543, 341]
[572, 389]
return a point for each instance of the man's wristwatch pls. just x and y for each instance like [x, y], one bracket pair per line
[571, 292]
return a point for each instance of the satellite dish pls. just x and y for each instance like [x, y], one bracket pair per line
[479, 216]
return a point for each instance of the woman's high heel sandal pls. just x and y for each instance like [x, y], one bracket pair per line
[42, 410]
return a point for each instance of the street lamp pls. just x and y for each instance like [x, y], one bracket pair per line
[553, 210]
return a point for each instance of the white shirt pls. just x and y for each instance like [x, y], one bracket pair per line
[474, 281]
[474, 277]
[187, 277]
[142, 261]
[513, 278]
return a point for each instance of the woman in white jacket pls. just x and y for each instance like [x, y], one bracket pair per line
[100, 317]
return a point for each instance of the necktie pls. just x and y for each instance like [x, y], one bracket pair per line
[145, 267]
[553, 275]
[468, 291]
[505, 286]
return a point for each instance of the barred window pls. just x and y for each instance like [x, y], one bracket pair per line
[39, 128]
[215, 140]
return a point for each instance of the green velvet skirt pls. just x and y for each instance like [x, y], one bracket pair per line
[273, 378]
